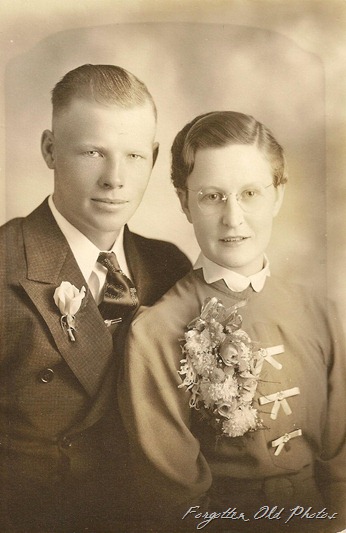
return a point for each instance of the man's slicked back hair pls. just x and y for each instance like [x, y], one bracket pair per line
[106, 84]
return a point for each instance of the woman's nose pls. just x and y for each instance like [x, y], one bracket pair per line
[232, 215]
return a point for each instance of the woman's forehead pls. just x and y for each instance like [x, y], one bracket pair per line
[240, 163]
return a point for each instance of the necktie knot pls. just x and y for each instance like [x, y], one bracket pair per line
[109, 261]
[120, 299]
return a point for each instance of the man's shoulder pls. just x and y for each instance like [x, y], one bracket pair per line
[15, 225]
[161, 255]
[154, 263]
[11, 225]
[11, 231]
[151, 244]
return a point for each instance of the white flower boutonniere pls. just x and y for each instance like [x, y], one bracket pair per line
[68, 299]
[221, 369]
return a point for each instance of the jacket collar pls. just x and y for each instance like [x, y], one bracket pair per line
[49, 262]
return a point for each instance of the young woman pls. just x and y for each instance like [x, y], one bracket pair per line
[234, 379]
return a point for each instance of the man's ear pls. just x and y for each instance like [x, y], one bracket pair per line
[183, 197]
[155, 152]
[280, 192]
[47, 148]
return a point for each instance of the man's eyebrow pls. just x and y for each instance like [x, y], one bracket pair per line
[91, 145]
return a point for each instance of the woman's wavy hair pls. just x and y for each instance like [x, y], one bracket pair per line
[222, 128]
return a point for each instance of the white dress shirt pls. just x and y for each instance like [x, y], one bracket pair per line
[234, 281]
[86, 253]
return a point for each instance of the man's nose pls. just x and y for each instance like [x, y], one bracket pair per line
[233, 214]
[112, 175]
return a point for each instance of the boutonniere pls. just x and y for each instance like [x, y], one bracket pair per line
[68, 299]
[221, 369]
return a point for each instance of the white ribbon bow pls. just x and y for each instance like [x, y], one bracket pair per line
[267, 354]
[281, 441]
[279, 399]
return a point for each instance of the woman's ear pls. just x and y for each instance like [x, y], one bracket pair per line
[279, 192]
[184, 202]
[47, 148]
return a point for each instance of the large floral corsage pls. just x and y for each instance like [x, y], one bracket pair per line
[221, 366]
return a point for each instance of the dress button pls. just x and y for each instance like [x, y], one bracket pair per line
[66, 442]
[46, 375]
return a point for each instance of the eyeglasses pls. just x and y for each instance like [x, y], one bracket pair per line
[211, 200]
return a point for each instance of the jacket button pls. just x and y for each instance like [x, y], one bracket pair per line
[46, 375]
[66, 442]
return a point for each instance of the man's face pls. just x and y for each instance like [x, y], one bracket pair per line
[102, 156]
[231, 237]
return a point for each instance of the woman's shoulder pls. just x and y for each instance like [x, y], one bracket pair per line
[306, 302]
[292, 289]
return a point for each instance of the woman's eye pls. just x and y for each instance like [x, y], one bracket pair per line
[213, 197]
[250, 193]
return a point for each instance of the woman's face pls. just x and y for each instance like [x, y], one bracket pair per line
[229, 236]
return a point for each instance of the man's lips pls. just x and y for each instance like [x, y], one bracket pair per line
[110, 201]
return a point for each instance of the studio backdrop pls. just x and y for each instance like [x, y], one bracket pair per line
[189, 69]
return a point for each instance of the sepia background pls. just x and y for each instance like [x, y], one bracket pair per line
[281, 61]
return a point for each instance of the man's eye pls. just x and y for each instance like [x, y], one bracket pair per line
[135, 156]
[93, 153]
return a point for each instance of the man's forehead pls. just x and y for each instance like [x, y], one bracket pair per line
[95, 123]
[84, 107]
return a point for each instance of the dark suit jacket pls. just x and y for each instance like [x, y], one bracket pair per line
[63, 449]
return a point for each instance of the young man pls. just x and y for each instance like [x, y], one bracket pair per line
[63, 448]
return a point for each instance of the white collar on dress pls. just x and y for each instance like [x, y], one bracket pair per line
[234, 281]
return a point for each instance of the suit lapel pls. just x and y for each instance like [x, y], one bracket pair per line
[49, 262]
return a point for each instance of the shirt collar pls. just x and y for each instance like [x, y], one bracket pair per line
[84, 251]
[234, 281]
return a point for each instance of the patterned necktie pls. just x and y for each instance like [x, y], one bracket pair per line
[120, 299]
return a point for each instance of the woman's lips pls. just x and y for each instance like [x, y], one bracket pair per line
[234, 239]
[233, 242]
